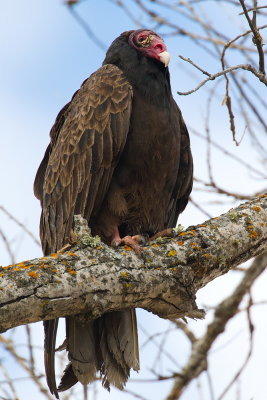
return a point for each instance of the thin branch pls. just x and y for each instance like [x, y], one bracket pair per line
[253, 9]
[20, 224]
[198, 207]
[196, 66]
[246, 67]
[220, 190]
[233, 156]
[251, 334]
[8, 247]
[257, 39]
[224, 312]
[24, 364]
[86, 28]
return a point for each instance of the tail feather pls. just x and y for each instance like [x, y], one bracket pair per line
[81, 346]
[121, 332]
[119, 347]
[111, 371]
[108, 344]
[129, 339]
[50, 330]
[68, 379]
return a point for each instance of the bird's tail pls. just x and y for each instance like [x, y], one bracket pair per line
[108, 344]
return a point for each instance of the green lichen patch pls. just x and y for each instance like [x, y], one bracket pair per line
[233, 216]
[91, 241]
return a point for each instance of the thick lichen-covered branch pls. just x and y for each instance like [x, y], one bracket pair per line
[94, 278]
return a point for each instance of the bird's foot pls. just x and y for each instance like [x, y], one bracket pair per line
[132, 241]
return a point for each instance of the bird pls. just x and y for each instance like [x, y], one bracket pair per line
[119, 155]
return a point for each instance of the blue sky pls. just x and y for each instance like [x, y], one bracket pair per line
[45, 56]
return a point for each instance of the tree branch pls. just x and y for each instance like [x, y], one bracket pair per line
[224, 312]
[93, 278]
[257, 39]
[246, 67]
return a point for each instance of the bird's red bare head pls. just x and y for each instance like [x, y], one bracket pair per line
[150, 45]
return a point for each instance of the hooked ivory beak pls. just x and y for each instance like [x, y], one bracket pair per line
[165, 58]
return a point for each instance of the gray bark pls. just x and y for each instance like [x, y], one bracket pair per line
[94, 278]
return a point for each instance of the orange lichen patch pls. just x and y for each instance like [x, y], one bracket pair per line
[70, 253]
[187, 233]
[22, 265]
[2, 274]
[54, 270]
[99, 247]
[203, 225]
[71, 271]
[155, 245]
[54, 255]
[257, 208]
[262, 195]
[206, 255]
[43, 265]
[127, 248]
[7, 266]
[33, 274]
[253, 234]
[262, 224]
[172, 253]
[180, 243]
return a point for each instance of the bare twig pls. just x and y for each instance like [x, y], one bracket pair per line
[243, 366]
[9, 346]
[20, 224]
[220, 190]
[196, 66]
[224, 312]
[233, 156]
[87, 28]
[257, 39]
[246, 67]
[8, 247]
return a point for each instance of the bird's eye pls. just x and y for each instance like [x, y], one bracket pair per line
[141, 39]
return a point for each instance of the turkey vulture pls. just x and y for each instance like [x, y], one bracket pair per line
[120, 156]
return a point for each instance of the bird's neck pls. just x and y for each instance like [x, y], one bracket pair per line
[147, 76]
[151, 80]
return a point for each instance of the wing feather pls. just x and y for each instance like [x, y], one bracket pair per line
[77, 168]
[86, 142]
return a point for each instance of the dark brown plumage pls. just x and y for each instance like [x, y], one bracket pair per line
[120, 156]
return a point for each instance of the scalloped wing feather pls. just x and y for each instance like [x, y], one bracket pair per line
[84, 153]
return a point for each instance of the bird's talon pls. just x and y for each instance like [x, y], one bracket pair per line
[130, 241]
